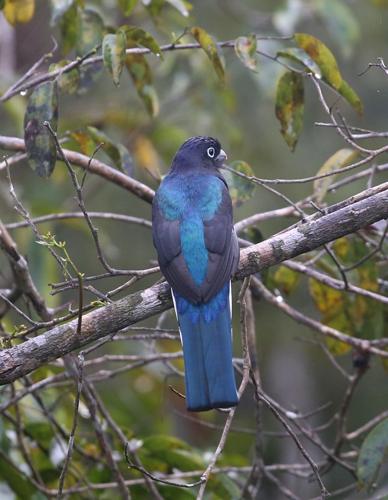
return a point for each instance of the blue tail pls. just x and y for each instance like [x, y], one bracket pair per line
[206, 333]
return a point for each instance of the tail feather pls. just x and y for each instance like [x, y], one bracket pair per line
[207, 349]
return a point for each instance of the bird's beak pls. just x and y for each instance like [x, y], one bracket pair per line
[221, 158]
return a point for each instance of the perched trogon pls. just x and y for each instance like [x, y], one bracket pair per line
[198, 253]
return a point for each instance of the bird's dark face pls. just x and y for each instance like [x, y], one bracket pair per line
[199, 152]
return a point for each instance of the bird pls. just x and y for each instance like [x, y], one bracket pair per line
[198, 253]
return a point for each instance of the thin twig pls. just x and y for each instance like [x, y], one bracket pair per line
[70, 447]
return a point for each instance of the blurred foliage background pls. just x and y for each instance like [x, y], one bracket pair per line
[150, 116]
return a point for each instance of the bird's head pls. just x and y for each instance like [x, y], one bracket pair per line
[199, 152]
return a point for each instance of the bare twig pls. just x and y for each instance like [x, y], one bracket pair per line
[79, 215]
[70, 447]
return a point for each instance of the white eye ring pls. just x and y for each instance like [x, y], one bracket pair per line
[211, 152]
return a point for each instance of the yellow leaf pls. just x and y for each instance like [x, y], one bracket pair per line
[327, 63]
[340, 159]
[328, 301]
[341, 323]
[211, 49]
[85, 142]
[323, 56]
[19, 11]
[342, 247]
[92, 450]
[286, 279]
[147, 157]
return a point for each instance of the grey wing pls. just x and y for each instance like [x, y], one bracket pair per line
[166, 238]
[222, 245]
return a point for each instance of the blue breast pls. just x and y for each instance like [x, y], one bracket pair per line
[191, 199]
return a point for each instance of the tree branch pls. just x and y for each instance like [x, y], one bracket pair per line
[62, 339]
[89, 58]
[94, 166]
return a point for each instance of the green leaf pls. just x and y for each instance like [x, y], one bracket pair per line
[350, 95]
[127, 6]
[240, 189]
[15, 109]
[160, 442]
[116, 151]
[286, 279]
[252, 234]
[181, 6]
[341, 23]
[40, 147]
[58, 8]
[69, 25]
[174, 493]
[4, 440]
[89, 37]
[40, 431]
[323, 56]
[90, 31]
[19, 11]
[339, 159]
[245, 48]
[141, 37]
[113, 51]
[150, 99]
[154, 8]
[289, 107]
[2, 3]
[183, 459]
[173, 452]
[373, 453]
[211, 49]
[299, 55]
[67, 82]
[18, 482]
[223, 487]
[140, 72]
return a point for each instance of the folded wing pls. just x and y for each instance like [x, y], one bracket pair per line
[220, 242]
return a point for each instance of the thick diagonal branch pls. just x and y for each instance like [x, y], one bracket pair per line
[60, 340]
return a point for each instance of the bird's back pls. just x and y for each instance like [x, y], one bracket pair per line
[193, 212]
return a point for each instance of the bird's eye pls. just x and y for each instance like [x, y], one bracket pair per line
[211, 152]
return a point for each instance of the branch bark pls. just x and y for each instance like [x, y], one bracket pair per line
[60, 340]
[94, 166]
